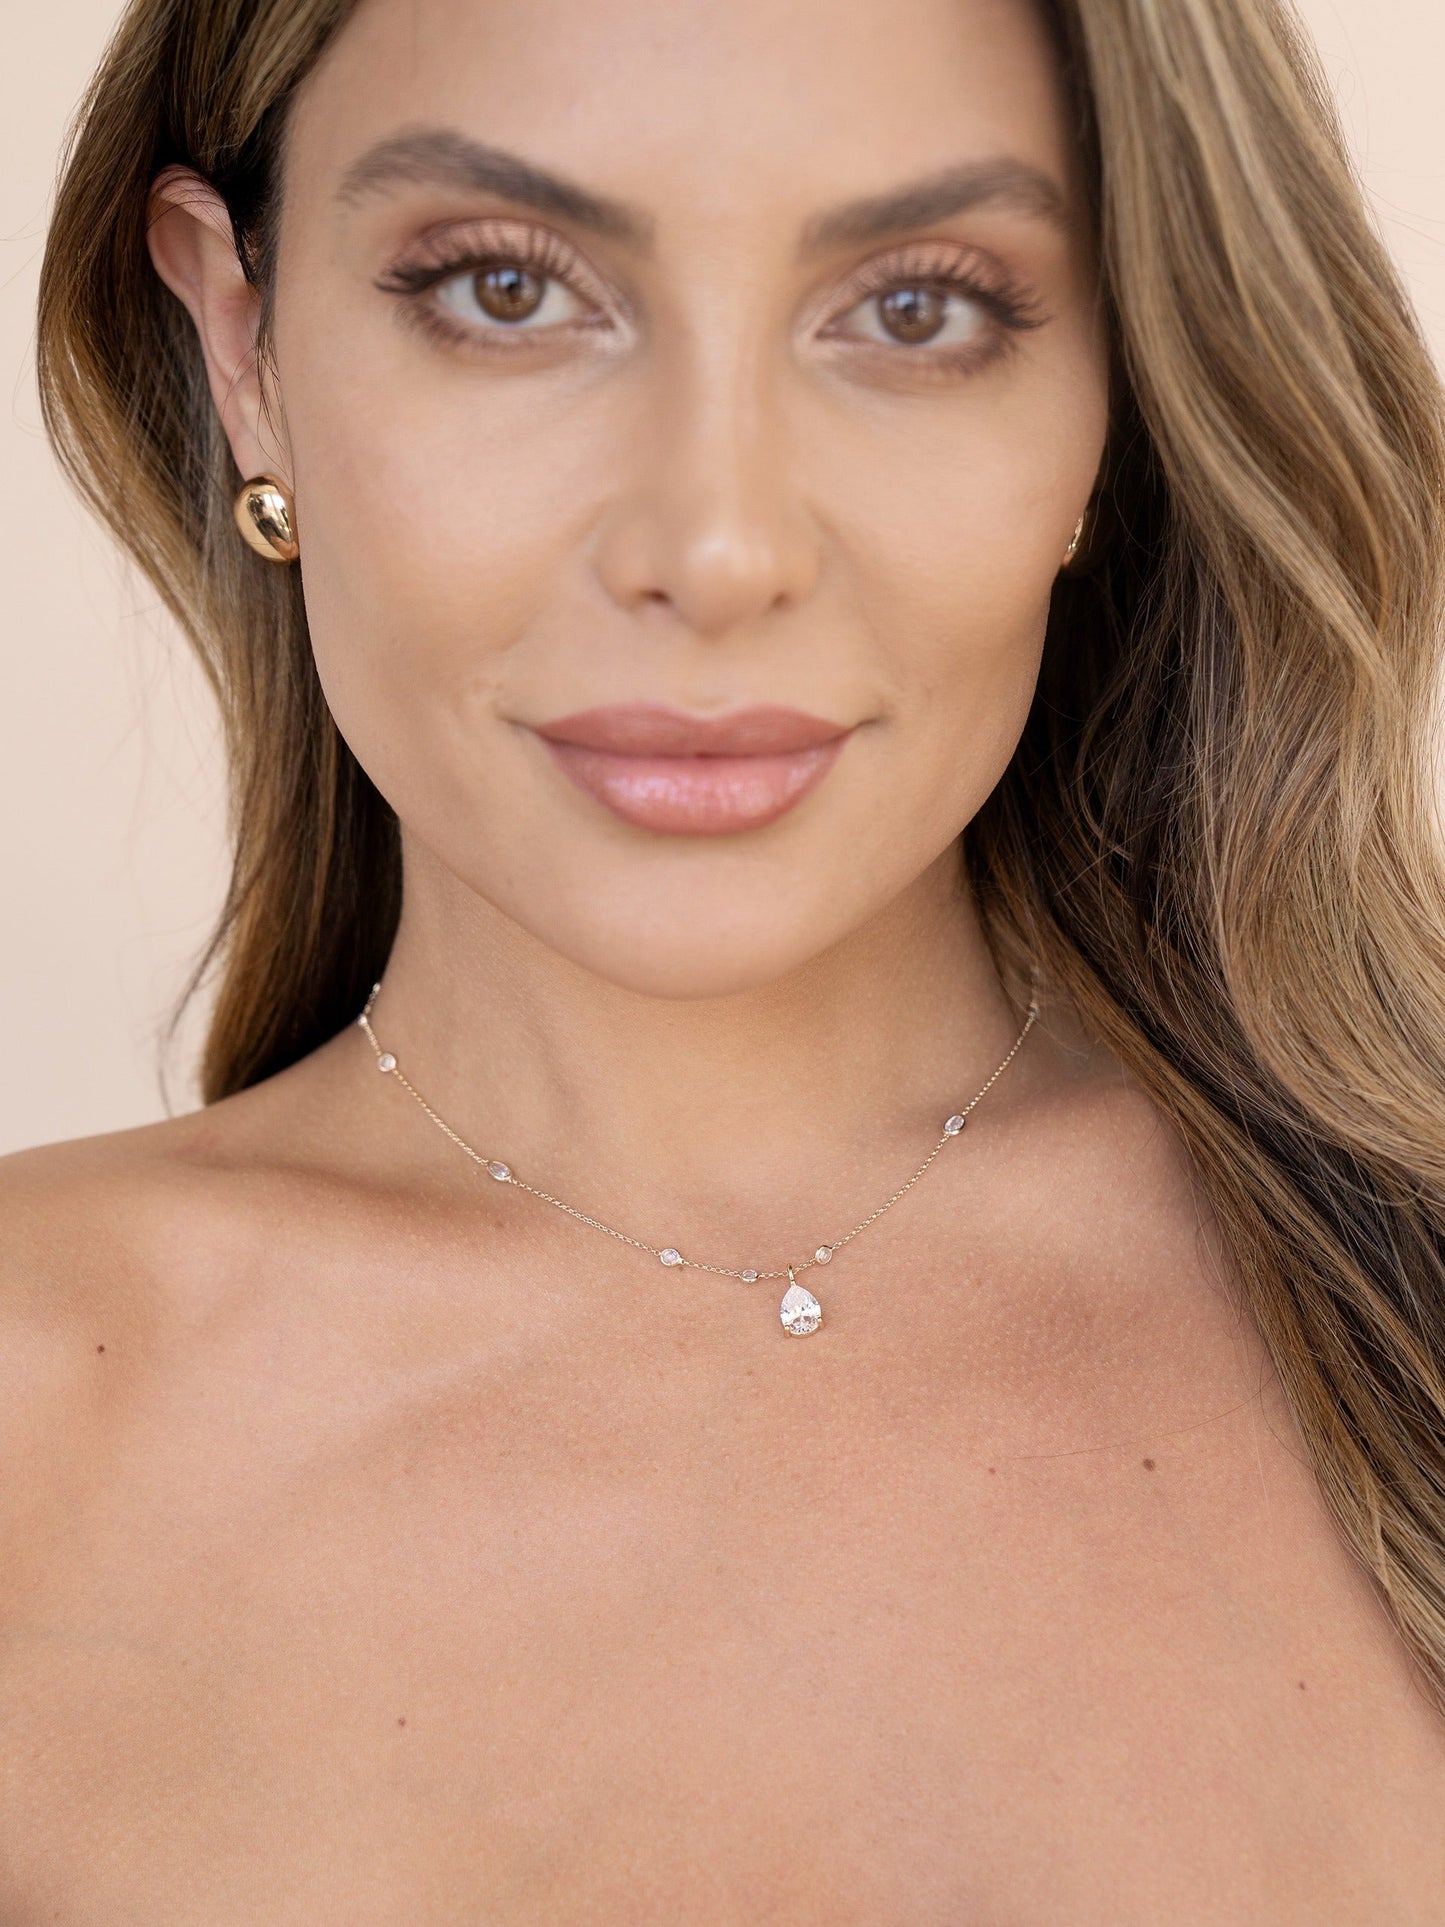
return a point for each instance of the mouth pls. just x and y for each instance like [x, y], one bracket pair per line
[664, 770]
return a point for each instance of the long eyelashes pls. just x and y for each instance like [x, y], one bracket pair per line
[496, 244]
[1001, 308]
[439, 255]
[952, 275]
[949, 268]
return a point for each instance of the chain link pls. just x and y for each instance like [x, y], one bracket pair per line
[386, 1061]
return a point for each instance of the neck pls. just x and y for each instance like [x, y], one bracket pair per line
[684, 1117]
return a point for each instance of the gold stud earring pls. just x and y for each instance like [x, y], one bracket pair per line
[1075, 539]
[266, 517]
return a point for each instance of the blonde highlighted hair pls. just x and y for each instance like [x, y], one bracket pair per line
[1219, 831]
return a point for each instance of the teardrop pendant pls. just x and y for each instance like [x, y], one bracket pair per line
[800, 1311]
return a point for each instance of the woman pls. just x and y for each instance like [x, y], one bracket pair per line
[773, 544]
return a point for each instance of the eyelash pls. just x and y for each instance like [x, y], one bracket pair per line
[539, 251]
[948, 268]
[945, 267]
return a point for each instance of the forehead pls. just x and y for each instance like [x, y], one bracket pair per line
[695, 104]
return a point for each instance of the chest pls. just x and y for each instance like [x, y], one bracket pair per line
[848, 1654]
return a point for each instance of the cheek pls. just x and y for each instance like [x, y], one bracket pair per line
[433, 541]
[955, 543]
[965, 671]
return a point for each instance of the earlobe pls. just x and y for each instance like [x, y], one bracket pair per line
[193, 249]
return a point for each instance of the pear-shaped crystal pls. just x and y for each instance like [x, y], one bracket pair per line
[800, 1311]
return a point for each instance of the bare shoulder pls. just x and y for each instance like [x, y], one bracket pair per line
[1096, 1208]
[110, 1243]
[79, 1216]
[88, 1209]
[1115, 1160]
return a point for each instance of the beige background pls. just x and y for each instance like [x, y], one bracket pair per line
[111, 830]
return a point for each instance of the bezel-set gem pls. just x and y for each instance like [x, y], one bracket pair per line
[799, 1311]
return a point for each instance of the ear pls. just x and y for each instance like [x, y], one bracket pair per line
[193, 248]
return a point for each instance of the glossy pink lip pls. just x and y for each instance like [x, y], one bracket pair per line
[662, 769]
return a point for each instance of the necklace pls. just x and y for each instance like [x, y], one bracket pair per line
[799, 1311]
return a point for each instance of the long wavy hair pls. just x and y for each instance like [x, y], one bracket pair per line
[1219, 831]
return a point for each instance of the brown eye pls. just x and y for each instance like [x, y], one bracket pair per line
[510, 292]
[508, 297]
[917, 314]
[913, 314]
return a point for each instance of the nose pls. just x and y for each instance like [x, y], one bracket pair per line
[707, 521]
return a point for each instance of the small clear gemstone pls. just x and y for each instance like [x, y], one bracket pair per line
[499, 1170]
[750, 1277]
[386, 1062]
[800, 1311]
[954, 1125]
[823, 1254]
[671, 1256]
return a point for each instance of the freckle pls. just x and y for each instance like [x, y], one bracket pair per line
[402, 1720]
[1302, 1686]
[1148, 1465]
[100, 1348]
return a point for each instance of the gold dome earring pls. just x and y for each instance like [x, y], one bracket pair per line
[266, 517]
[1075, 539]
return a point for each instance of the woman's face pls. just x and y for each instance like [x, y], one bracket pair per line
[702, 354]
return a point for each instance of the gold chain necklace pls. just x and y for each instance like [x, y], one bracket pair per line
[799, 1311]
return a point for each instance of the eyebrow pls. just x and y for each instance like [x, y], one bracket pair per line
[448, 158]
[440, 155]
[954, 190]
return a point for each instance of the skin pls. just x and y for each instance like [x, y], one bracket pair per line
[381, 1545]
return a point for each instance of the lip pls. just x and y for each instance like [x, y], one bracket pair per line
[665, 770]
